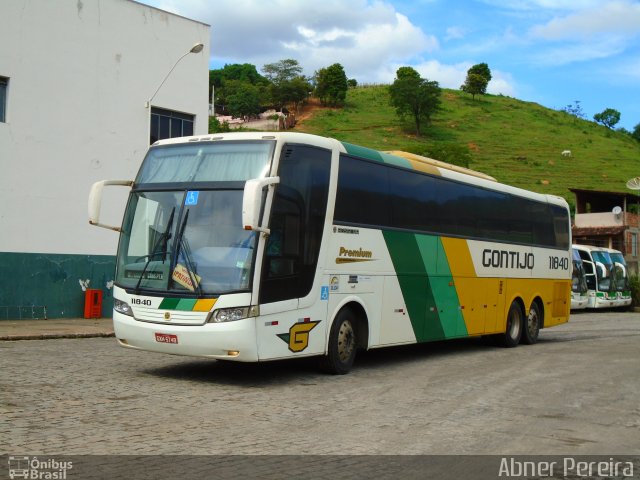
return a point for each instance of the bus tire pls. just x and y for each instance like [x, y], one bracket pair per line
[515, 321]
[342, 344]
[532, 325]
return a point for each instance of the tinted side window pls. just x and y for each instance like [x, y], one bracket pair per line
[362, 192]
[385, 196]
[297, 221]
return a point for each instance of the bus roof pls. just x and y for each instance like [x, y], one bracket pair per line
[437, 163]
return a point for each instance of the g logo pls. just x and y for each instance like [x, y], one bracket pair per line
[298, 336]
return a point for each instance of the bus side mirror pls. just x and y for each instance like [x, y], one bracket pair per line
[95, 201]
[252, 202]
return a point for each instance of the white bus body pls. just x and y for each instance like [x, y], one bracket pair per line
[254, 246]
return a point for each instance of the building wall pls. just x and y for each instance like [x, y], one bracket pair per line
[80, 73]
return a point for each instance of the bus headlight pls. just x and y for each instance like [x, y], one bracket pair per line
[232, 314]
[122, 307]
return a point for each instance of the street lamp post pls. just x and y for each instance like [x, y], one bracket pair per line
[197, 48]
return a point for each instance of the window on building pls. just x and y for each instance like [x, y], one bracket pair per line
[4, 83]
[169, 124]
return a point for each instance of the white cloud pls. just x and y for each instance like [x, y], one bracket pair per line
[361, 35]
[579, 52]
[620, 18]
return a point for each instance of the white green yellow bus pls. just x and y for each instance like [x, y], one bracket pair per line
[599, 273]
[579, 290]
[254, 246]
[620, 279]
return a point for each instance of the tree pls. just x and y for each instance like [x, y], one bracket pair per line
[481, 69]
[282, 71]
[575, 109]
[226, 79]
[478, 78]
[474, 84]
[608, 117]
[288, 85]
[331, 85]
[414, 96]
[636, 132]
[352, 83]
[244, 101]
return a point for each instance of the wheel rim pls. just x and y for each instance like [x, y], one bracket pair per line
[514, 324]
[346, 341]
[532, 322]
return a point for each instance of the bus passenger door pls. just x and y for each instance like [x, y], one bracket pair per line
[292, 305]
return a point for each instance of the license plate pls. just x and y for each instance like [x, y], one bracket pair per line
[166, 338]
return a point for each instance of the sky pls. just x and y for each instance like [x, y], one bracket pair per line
[552, 52]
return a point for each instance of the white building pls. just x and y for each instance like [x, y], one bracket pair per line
[75, 78]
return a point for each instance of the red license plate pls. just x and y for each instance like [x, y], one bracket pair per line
[166, 338]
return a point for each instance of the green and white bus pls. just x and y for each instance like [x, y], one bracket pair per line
[599, 272]
[579, 290]
[264, 246]
[620, 279]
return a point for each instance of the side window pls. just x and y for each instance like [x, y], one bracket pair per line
[297, 222]
[362, 183]
[169, 124]
[4, 82]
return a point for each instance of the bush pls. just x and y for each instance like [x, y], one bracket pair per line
[216, 127]
[634, 284]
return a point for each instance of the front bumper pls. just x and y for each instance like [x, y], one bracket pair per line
[225, 341]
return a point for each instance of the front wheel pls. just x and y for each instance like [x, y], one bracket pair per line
[342, 344]
[511, 337]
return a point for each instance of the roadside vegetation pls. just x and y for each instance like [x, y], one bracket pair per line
[519, 143]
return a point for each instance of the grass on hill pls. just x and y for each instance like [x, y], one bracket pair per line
[519, 143]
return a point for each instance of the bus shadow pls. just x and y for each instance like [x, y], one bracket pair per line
[307, 371]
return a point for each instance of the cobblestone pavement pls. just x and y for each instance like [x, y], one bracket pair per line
[575, 392]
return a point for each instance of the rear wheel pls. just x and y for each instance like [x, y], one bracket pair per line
[511, 337]
[342, 344]
[532, 325]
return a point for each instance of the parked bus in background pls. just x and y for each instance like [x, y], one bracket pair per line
[620, 279]
[579, 297]
[255, 246]
[598, 268]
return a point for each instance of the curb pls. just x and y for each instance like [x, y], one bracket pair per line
[50, 336]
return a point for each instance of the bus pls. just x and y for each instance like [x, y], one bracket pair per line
[620, 279]
[264, 246]
[579, 297]
[598, 268]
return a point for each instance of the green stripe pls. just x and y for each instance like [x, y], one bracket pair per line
[415, 285]
[186, 304]
[376, 156]
[362, 152]
[427, 285]
[169, 303]
[442, 285]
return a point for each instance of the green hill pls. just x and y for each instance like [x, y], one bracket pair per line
[518, 143]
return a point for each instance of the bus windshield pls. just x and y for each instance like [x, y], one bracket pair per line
[619, 271]
[603, 270]
[182, 230]
[578, 278]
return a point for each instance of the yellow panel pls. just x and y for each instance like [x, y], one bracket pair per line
[430, 165]
[204, 305]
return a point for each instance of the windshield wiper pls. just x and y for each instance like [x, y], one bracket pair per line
[183, 244]
[164, 240]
